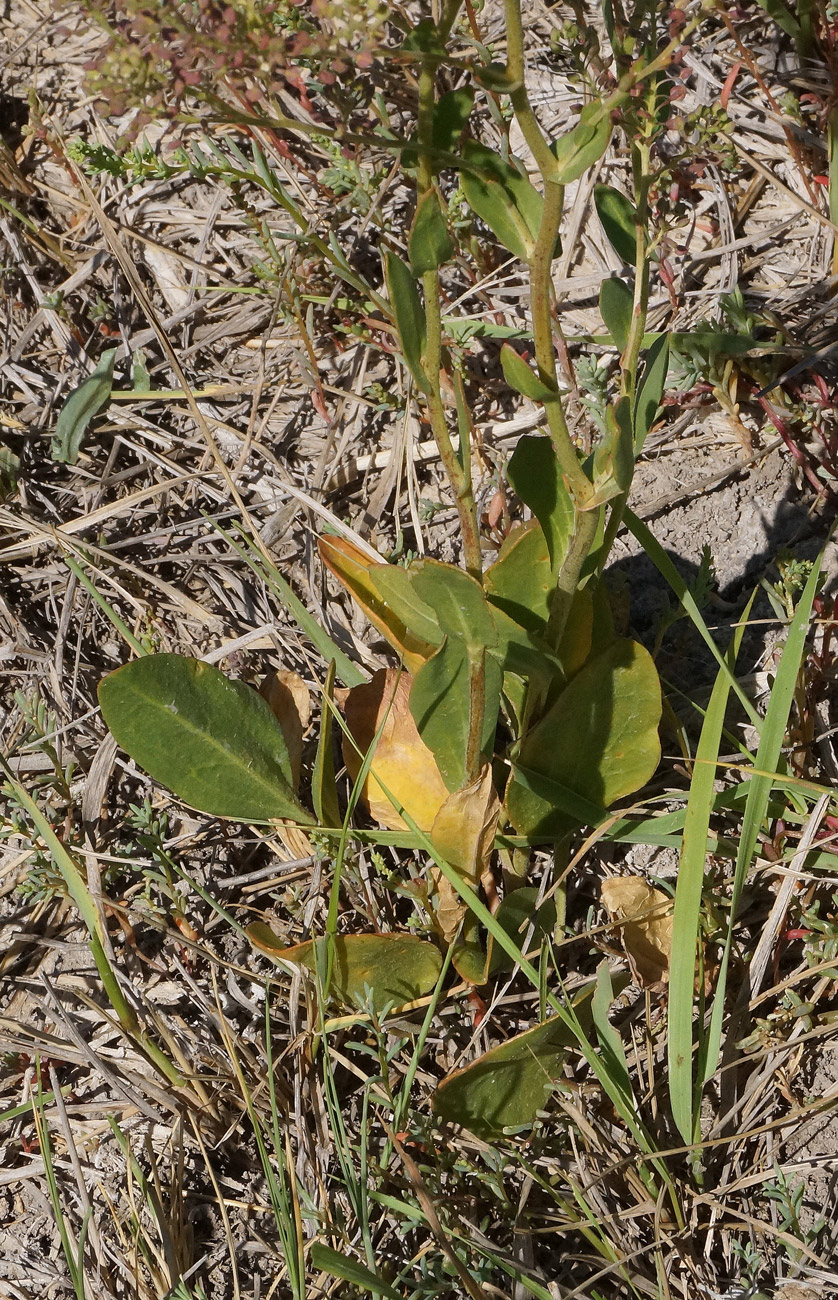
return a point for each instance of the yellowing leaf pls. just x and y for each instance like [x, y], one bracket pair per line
[463, 832]
[644, 915]
[351, 566]
[290, 701]
[392, 969]
[402, 760]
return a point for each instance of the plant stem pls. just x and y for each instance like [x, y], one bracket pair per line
[541, 286]
[631, 356]
[476, 714]
[458, 476]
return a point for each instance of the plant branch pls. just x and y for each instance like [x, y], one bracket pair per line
[458, 476]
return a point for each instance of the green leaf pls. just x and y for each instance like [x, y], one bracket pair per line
[519, 376]
[599, 741]
[613, 459]
[516, 912]
[409, 316]
[616, 305]
[85, 401]
[212, 741]
[769, 760]
[610, 1043]
[521, 579]
[470, 958]
[451, 112]
[323, 784]
[502, 197]
[457, 600]
[782, 17]
[357, 572]
[395, 968]
[619, 221]
[396, 588]
[507, 1086]
[349, 1270]
[650, 391]
[583, 145]
[425, 39]
[440, 701]
[429, 244]
[535, 475]
[140, 378]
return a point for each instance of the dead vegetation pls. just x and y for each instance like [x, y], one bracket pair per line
[250, 408]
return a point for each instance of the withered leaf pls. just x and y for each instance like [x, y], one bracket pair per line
[402, 762]
[290, 701]
[644, 915]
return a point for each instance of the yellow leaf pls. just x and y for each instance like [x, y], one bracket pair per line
[463, 834]
[402, 760]
[644, 915]
[351, 566]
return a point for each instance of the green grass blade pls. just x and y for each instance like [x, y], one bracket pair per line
[349, 1270]
[347, 671]
[79, 893]
[768, 760]
[105, 606]
[686, 916]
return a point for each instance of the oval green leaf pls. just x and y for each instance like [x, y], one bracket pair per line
[515, 913]
[85, 401]
[616, 305]
[429, 244]
[520, 580]
[618, 216]
[598, 742]
[440, 700]
[390, 969]
[650, 390]
[519, 376]
[509, 1085]
[212, 741]
[457, 600]
[534, 473]
[408, 314]
[584, 145]
[501, 196]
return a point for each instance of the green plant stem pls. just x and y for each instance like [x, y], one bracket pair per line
[581, 541]
[541, 286]
[630, 359]
[515, 71]
[458, 476]
[447, 18]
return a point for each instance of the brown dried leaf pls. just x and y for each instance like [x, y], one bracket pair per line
[290, 701]
[450, 908]
[402, 760]
[645, 918]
